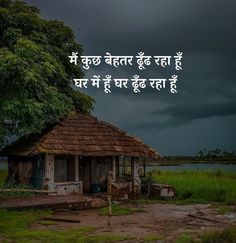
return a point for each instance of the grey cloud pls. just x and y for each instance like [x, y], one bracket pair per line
[204, 30]
[189, 112]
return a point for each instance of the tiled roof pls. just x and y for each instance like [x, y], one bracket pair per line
[85, 135]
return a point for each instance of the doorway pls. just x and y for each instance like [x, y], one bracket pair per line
[85, 173]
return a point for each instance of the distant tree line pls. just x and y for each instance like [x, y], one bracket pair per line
[205, 155]
[216, 154]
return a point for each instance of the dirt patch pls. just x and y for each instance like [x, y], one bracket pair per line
[165, 220]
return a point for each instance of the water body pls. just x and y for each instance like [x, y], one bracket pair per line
[187, 167]
[190, 167]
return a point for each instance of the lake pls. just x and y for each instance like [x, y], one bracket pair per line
[191, 166]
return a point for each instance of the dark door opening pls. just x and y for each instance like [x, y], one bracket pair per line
[85, 173]
[64, 168]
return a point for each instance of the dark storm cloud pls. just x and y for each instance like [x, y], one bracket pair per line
[176, 115]
[204, 30]
[192, 112]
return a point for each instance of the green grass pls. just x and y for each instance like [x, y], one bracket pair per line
[153, 238]
[184, 238]
[225, 209]
[104, 238]
[120, 210]
[47, 222]
[225, 236]
[14, 226]
[200, 186]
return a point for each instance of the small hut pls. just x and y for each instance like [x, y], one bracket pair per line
[76, 155]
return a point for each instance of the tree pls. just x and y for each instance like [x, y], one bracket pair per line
[35, 73]
[200, 154]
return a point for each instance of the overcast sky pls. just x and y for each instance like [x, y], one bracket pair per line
[203, 112]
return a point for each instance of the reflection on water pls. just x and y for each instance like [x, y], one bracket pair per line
[205, 166]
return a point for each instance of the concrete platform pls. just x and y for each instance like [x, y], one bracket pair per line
[53, 202]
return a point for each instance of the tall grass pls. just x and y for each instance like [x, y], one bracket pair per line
[200, 186]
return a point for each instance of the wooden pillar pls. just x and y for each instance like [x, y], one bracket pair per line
[123, 169]
[132, 174]
[109, 192]
[76, 168]
[144, 168]
[136, 182]
[114, 167]
[132, 167]
[49, 171]
[117, 166]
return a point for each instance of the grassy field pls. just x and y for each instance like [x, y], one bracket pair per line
[191, 187]
[200, 186]
[14, 227]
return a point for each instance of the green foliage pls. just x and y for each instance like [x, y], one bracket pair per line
[35, 73]
[84, 101]
[200, 186]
